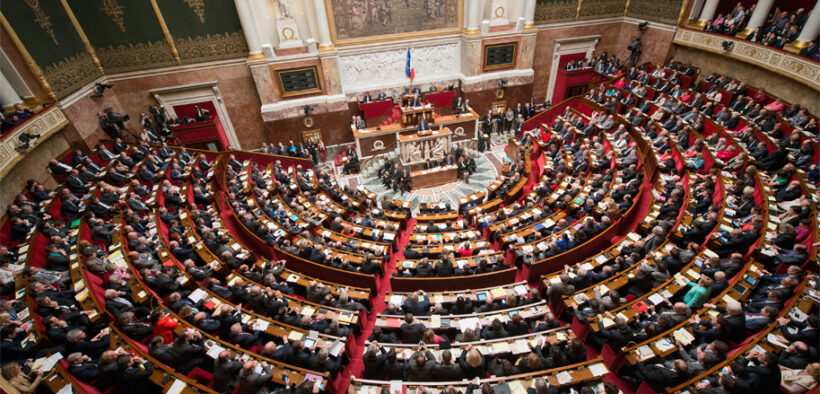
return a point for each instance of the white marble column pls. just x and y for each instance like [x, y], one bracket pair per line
[694, 13]
[473, 15]
[243, 9]
[758, 17]
[709, 10]
[8, 96]
[812, 27]
[264, 21]
[529, 13]
[320, 14]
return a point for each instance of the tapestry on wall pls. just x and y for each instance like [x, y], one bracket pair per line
[369, 18]
[663, 11]
[551, 11]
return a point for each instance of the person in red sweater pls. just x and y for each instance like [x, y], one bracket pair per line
[163, 325]
[464, 250]
[727, 154]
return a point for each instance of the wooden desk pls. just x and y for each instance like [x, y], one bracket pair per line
[434, 177]
[373, 141]
[411, 115]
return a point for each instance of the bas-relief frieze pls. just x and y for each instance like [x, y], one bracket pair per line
[387, 68]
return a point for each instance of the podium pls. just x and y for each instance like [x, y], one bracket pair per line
[419, 148]
[412, 115]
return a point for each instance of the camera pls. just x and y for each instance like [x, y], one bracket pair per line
[25, 138]
[100, 88]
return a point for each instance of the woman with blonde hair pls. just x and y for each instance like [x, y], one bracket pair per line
[800, 381]
[472, 362]
[430, 338]
[19, 381]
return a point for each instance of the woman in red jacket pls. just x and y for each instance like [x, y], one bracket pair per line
[163, 325]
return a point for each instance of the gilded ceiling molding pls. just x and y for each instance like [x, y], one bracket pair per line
[42, 19]
[70, 74]
[83, 37]
[30, 63]
[682, 11]
[199, 8]
[578, 10]
[136, 56]
[115, 12]
[212, 47]
[167, 33]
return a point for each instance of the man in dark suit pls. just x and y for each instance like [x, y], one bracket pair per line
[132, 328]
[80, 369]
[243, 338]
[76, 342]
[765, 366]
[188, 351]
[417, 304]
[423, 125]
[251, 382]
[225, 374]
[75, 184]
[806, 331]
[659, 376]
[411, 330]
[421, 365]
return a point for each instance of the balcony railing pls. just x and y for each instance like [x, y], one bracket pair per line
[796, 67]
[44, 123]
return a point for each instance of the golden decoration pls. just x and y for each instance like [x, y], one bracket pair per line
[88, 47]
[554, 11]
[115, 12]
[499, 12]
[308, 121]
[167, 33]
[288, 33]
[499, 94]
[595, 9]
[212, 47]
[70, 74]
[663, 11]
[132, 57]
[42, 19]
[30, 63]
[199, 8]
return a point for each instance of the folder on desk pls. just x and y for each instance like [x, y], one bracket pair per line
[435, 321]
[393, 322]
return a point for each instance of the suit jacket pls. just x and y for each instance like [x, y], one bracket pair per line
[254, 383]
[225, 377]
[187, 355]
[85, 373]
[423, 125]
[412, 333]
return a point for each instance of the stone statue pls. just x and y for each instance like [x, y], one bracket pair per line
[413, 153]
[440, 148]
[283, 9]
[426, 150]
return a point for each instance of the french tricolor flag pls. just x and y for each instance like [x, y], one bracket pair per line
[411, 73]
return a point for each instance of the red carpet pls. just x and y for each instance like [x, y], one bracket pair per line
[356, 365]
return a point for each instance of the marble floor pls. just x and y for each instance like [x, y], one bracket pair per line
[488, 166]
